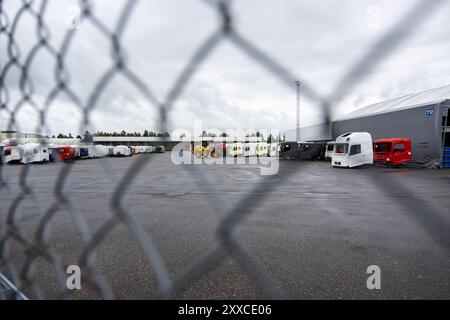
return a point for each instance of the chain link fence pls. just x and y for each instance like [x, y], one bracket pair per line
[39, 245]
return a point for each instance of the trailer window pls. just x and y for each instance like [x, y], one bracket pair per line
[341, 148]
[355, 149]
[399, 147]
[383, 147]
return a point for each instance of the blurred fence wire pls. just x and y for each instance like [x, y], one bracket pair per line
[39, 245]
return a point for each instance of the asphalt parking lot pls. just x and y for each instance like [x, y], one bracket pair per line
[314, 235]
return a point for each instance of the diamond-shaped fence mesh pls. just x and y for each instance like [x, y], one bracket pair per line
[38, 244]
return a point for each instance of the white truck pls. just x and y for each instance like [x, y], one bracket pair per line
[352, 149]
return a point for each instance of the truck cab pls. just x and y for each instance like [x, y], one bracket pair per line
[393, 151]
[352, 149]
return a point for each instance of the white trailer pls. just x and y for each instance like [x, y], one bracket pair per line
[235, 149]
[250, 149]
[352, 149]
[261, 149]
[12, 154]
[35, 153]
[101, 151]
[122, 151]
[272, 150]
[148, 149]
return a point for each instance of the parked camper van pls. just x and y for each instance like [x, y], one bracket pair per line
[353, 149]
[394, 151]
[12, 154]
[122, 151]
[35, 153]
[329, 150]
[235, 149]
[249, 149]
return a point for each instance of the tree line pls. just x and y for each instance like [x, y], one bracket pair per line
[123, 133]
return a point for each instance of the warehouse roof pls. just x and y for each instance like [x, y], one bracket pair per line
[414, 100]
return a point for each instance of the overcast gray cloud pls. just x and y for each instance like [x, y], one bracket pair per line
[317, 40]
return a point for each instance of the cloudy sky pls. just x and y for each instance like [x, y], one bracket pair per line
[318, 41]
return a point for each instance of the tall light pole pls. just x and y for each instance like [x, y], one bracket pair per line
[298, 111]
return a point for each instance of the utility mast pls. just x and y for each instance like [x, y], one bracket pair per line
[298, 111]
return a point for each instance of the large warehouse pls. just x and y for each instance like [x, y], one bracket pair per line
[422, 117]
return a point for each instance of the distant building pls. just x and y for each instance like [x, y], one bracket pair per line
[422, 117]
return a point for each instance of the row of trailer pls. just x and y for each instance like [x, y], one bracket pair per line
[236, 149]
[351, 150]
[39, 153]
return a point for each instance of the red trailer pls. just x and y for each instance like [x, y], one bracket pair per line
[394, 151]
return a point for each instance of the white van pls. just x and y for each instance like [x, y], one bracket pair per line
[329, 150]
[12, 154]
[352, 149]
[35, 153]
[122, 151]
[249, 149]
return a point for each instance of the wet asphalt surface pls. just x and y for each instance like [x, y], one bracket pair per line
[313, 236]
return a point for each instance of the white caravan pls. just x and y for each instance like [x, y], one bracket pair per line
[352, 149]
[249, 149]
[273, 150]
[262, 149]
[122, 151]
[329, 150]
[101, 151]
[12, 154]
[235, 149]
[148, 149]
[35, 153]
